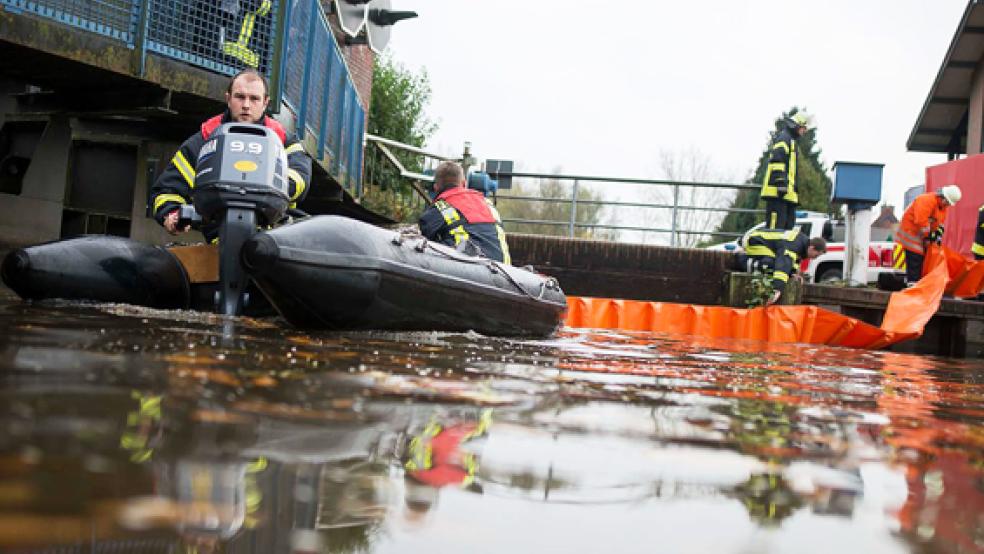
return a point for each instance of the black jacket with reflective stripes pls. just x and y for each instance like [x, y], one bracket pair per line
[778, 249]
[176, 183]
[461, 215]
[782, 166]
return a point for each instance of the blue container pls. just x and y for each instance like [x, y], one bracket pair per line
[857, 183]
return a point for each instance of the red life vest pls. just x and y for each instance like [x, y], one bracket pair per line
[212, 124]
[469, 203]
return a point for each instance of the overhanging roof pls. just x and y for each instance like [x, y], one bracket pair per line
[942, 123]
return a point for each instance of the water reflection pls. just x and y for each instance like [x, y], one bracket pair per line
[130, 430]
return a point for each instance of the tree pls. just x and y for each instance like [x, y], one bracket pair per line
[540, 210]
[397, 112]
[811, 181]
[692, 165]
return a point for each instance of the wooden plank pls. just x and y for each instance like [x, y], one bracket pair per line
[201, 262]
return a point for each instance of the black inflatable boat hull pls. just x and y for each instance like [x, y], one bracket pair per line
[338, 273]
[98, 268]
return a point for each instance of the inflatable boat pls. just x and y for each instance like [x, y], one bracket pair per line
[323, 272]
[339, 273]
[326, 272]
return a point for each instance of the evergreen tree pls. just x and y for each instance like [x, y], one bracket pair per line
[812, 182]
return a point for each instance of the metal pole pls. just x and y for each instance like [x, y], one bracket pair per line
[573, 209]
[673, 223]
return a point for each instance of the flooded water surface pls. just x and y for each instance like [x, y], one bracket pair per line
[132, 430]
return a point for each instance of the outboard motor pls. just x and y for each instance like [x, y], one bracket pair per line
[240, 183]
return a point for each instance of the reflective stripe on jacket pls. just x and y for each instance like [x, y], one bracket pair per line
[782, 165]
[462, 214]
[175, 184]
[922, 217]
[780, 249]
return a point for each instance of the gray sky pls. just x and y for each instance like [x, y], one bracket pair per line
[601, 87]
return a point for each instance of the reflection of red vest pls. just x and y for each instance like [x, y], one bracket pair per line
[212, 124]
[448, 463]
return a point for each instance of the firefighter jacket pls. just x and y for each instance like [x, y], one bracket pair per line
[175, 185]
[778, 250]
[781, 168]
[978, 247]
[921, 222]
[462, 214]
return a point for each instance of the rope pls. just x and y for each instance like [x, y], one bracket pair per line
[492, 265]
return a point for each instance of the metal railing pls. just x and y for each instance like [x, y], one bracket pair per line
[289, 41]
[675, 207]
[385, 170]
[416, 194]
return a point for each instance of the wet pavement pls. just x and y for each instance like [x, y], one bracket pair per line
[131, 430]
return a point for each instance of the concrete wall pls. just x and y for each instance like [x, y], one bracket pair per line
[35, 215]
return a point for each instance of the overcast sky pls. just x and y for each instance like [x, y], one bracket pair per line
[601, 87]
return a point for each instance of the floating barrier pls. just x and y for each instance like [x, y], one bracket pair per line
[907, 314]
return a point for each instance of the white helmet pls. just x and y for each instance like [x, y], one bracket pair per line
[951, 193]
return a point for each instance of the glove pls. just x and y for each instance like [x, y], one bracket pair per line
[936, 235]
[774, 298]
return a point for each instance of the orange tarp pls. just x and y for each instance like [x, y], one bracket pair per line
[966, 276]
[907, 313]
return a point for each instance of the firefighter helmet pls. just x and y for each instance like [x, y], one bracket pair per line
[951, 193]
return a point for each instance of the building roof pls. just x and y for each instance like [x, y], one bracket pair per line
[942, 123]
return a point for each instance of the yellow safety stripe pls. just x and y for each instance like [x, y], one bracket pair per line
[780, 276]
[793, 256]
[293, 148]
[506, 258]
[898, 257]
[759, 250]
[774, 220]
[460, 234]
[977, 249]
[162, 199]
[773, 235]
[776, 165]
[781, 144]
[448, 211]
[299, 184]
[257, 465]
[186, 169]
[239, 49]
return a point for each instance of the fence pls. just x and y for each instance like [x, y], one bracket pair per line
[289, 41]
[382, 155]
[676, 208]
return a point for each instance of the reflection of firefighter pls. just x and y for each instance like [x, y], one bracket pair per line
[768, 498]
[142, 426]
[437, 460]
[209, 493]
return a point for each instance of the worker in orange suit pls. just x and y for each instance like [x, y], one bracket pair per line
[922, 224]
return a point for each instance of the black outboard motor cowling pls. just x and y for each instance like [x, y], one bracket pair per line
[240, 182]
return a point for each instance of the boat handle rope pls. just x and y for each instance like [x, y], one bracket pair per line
[492, 265]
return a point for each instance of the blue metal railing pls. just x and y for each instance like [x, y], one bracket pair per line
[116, 19]
[318, 88]
[289, 41]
